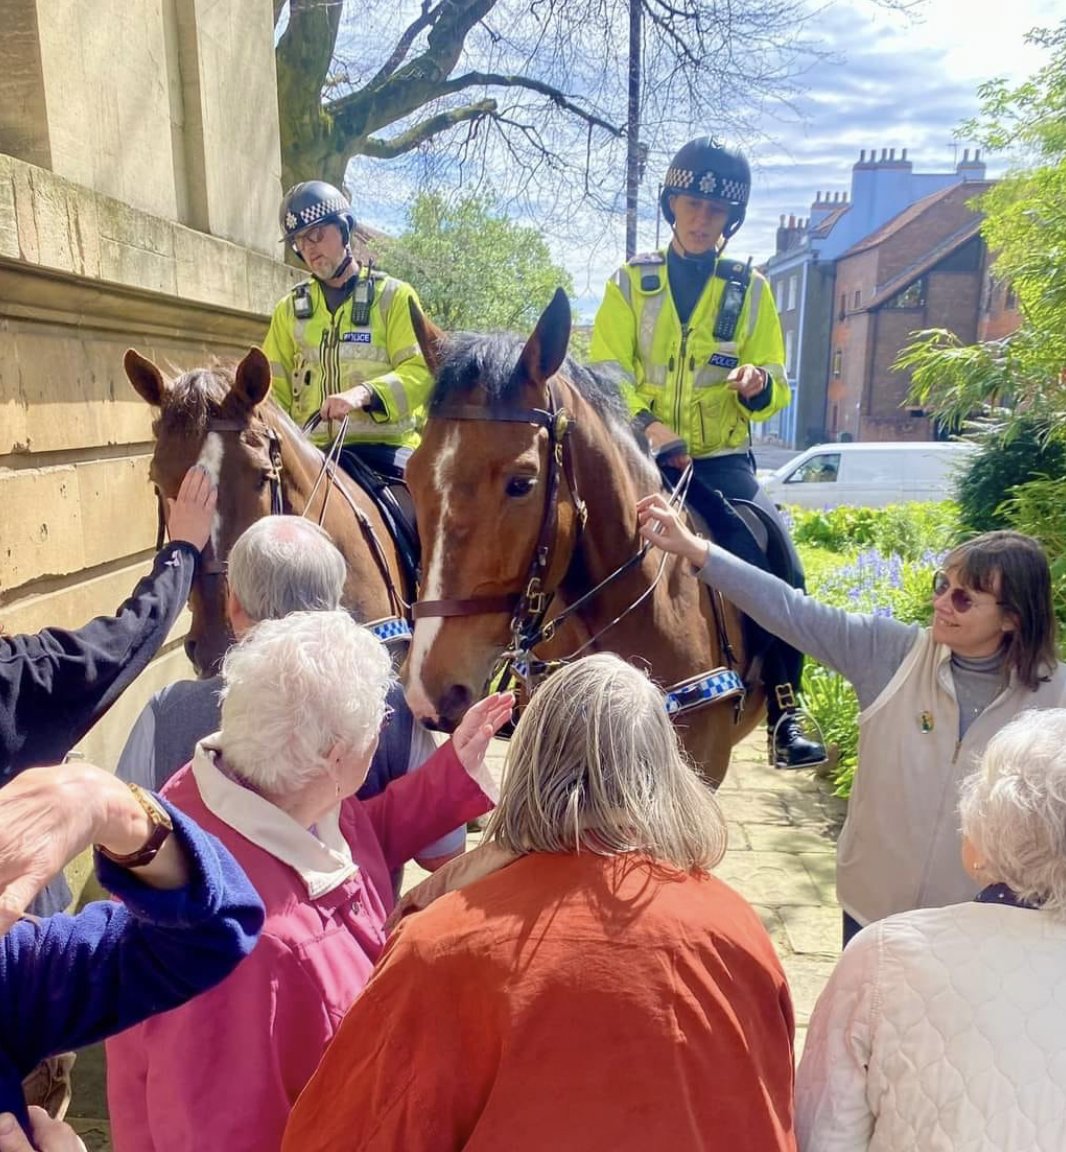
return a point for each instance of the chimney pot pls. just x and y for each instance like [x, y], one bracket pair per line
[884, 154]
[891, 153]
[903, 155]
[844, 196]
[976, 155]
[782, 220]
[792, 221]
[862, 156]
[965, 155]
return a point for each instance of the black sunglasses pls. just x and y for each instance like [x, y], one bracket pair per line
[961, 599]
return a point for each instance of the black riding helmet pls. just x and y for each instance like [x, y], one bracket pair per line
[705, 169]
[311, 203]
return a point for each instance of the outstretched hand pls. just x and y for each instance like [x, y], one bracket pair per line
[477, 728]
[661, 525]
[48, 1135]
[191, 514]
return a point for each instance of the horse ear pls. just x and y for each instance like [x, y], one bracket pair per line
[430, 338]
[252, 380]
[145, 377]
[545, 350]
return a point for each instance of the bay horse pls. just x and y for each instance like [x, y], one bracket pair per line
[525, 488]
[224, 420]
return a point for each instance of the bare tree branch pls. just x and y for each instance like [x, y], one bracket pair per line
[426, 130]
[560, 99]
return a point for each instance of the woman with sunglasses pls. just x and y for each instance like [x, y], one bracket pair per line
[930, 698]
[303, 702]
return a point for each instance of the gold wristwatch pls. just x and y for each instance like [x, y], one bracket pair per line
[162, 826]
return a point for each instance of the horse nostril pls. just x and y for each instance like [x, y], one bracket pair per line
[453, 705]
[190, 650]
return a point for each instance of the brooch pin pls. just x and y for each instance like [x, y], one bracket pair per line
[925, 721]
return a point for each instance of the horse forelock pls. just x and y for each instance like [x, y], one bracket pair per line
[193, 399]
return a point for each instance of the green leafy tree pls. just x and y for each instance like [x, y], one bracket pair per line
[1025, 225]
[474, 268]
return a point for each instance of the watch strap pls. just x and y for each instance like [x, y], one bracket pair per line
[162, 826]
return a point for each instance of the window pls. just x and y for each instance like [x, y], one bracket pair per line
[913, 296]
[838, 362]
[779, 295]
[843, 307]
[820, 469]
[858, 297]
[792, 286]
[789, 343]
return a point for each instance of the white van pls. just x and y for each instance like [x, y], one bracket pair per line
[868, 475]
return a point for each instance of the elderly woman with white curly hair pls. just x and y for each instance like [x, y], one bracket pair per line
[602, 991]
[303, 703]
[946, 1028]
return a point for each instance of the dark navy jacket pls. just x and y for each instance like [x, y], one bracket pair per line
[68, 981]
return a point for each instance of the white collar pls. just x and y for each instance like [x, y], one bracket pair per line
[322, 862]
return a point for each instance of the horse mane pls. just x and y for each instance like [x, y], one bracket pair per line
[488, 361]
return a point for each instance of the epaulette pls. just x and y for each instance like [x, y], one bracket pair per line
[642, 258]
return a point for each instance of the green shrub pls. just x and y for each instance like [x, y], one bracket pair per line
[831, 700]
[1038, 508]
[906, 530]
[1009, 456]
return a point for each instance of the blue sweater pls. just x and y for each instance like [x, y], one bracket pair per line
[67, 981]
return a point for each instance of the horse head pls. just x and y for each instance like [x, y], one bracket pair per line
[491, 500]
[210, 418]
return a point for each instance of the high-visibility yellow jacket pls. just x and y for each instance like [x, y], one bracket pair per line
[322, 355]
[678, 373]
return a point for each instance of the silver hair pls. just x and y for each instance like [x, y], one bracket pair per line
[595, 765]
[283, 564]
[1013, 808]
[295, 687]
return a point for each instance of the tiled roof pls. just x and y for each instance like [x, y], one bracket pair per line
[824, 227]
[963, 191]
[920, 267]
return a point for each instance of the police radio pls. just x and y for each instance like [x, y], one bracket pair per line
[363, 298]
[737, 277]
[302, 304]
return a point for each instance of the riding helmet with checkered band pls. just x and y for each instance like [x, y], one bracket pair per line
[703, 168]
[314, 202]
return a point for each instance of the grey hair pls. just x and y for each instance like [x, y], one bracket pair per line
[595, 764]
[1013, 808]
[295, 687]
[283, 564]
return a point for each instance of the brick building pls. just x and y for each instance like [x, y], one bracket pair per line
[803, 269]
[923, 269]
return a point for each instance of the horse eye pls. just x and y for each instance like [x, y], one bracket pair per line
[521, 485]
[264, 480]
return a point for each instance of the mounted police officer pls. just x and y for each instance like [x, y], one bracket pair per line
[341, 343]
[698, 342]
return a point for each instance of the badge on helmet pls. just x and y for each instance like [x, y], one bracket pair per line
[314, 202]
[706, 169]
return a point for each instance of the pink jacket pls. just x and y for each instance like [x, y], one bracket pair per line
[221, 1073]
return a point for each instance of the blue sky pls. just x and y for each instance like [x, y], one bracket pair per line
[895, 81]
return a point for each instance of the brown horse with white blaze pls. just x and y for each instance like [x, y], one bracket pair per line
[525, 487]
[224, 420]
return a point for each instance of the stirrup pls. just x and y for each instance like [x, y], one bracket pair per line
[810, 731]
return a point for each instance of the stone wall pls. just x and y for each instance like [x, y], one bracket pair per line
[139, 184]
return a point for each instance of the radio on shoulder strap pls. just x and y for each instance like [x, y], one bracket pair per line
[363, 298]
[302, 304]
[737, 277]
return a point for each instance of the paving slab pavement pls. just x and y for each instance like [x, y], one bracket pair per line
[781, 857]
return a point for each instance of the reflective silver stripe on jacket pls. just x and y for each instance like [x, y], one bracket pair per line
[754, 298]
[623, 284]
[613, 367]
[649, 317]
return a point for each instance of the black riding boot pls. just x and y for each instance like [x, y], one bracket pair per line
[787, 745]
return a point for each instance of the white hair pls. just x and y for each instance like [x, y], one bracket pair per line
[293, 688]
[595, 765]
[1013, 808]
[283, 564]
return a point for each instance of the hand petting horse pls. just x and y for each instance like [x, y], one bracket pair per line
[224, 420]
[525, 487]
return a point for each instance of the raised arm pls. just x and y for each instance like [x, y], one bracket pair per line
[866, 650]
[55, 685]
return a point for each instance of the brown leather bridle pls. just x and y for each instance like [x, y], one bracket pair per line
[528, 607]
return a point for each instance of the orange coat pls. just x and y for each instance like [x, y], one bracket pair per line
[566, 1002]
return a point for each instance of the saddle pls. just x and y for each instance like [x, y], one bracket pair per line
[387, 489]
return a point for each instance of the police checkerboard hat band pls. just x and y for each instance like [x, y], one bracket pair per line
[315, 212]
[708, 183]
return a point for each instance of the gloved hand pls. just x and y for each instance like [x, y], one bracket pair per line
[659, 436]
